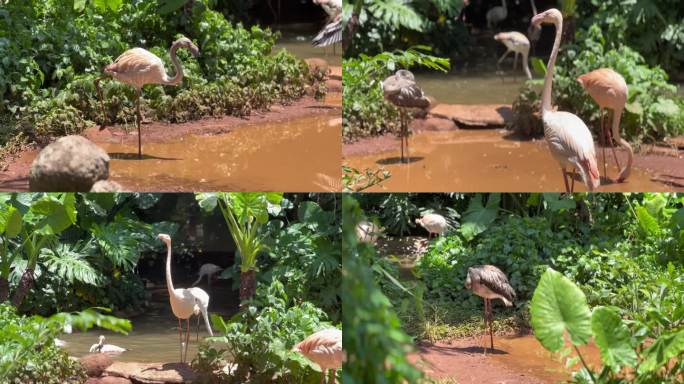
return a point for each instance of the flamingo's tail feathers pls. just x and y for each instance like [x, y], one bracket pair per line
[329, 35]
[99, 93]
[591, 169]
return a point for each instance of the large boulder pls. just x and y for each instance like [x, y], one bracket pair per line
[153, 373]
[70, 164]
[108, 380]
[95, 363]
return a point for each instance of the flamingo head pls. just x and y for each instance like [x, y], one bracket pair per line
[165, 238]
[184, 42]
[419, 221]
[551, 16]
[499, 36]
[404, 74]
[101, 339]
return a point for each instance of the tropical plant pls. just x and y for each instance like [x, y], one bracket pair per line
[354, 180]
[559, 307]
[365, 111]
[245, 215]
[258, 341]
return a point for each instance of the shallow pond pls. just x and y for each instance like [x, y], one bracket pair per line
[485, 160]
[479, 87]
[300, 46]
[286, 155]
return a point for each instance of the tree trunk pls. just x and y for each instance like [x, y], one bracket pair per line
[4, 289]
[25, 284]
[569, 29]
[247, 285]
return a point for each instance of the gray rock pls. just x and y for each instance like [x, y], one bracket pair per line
[70, 164]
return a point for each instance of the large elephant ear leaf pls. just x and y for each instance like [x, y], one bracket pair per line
[665, 348]
[557, 306]
[613, 339]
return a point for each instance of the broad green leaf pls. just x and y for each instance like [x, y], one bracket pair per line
[559, 306]
[169, 6]
[207, 201]
[634, 108]
[10, 221]
[666, 347]
[53, 216]
[648, 224]
[79, 5]
[613, 339]
[539, 66]
[557, 202]
[90, 318]
[478, 216]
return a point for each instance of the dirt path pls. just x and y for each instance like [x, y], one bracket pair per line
[150, 175]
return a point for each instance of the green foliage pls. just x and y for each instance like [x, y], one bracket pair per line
[354, 180]
[374, 342]
[559, 306]
[58, 48]
[479, 216]
[613, 339]
[653, 110]
[365, 111]
[28, 352]
[260, 338]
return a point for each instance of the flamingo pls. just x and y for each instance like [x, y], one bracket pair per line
[515, 42]
[325, 349]
[185, 302]
[497, 15]
[332, 31]
[489, 282]
[207, 270]
[569, 139]
[609, 91]
[401, 90]
[138, 67]
[367, 232]
[433, 223]
[101, 347]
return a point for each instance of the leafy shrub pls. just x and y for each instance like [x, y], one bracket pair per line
[28, 352]
[653, 111]
[260, 338]
[365, 111]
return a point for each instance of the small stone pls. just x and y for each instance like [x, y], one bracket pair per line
[70, 164]
[106, 186]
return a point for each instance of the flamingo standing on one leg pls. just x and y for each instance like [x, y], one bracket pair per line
[569, 139]
[185, 302]
[496, 15]
[433, 223]
[609, 91]
[325, 349]
[332, 31]
[515, 42]
[489, 282]
[401, 90]
[138, 67]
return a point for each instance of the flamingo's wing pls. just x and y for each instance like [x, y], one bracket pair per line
[330, 34]
[606, 86]
[202, 303]
[137, 66]
[569, 138]
[519, 40]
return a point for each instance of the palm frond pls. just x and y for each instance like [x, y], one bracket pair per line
[397, 13]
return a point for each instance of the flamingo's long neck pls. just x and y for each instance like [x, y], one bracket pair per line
[169, 281]
[548, 80]
[178, 77]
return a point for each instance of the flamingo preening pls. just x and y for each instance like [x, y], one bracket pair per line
[609, 91]
[111, 349]
[332, 31]
[489, 282]
[138, 67]
[515, 42]
[325, 349]
[367, 231]
[185, 302]
[433, 223]
[401, 90]
[497, 15]
[569, 139]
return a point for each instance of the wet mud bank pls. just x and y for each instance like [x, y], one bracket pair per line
[443, 156]
[268, 150]
[515, 359]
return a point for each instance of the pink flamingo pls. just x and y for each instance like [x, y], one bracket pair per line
[609, 91]
[138, 67]
[569, 139]
[325, 349]
[515, 42]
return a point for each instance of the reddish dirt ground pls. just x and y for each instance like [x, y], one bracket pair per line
[15, 177]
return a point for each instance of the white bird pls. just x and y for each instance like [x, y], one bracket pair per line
[60, 343]
[497, 15]
[332, 31]
[138, 67]
[207, 270]
[433, 223]
[489, 282]
[569, 139]
[185, 302]
[515, 42]
[111, 349]
[367, 231]
[325, 349]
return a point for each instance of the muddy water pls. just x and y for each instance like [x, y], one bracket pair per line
[482, 160]
[284, 156]
[526, 354]
[473, 88]
[300, 46]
